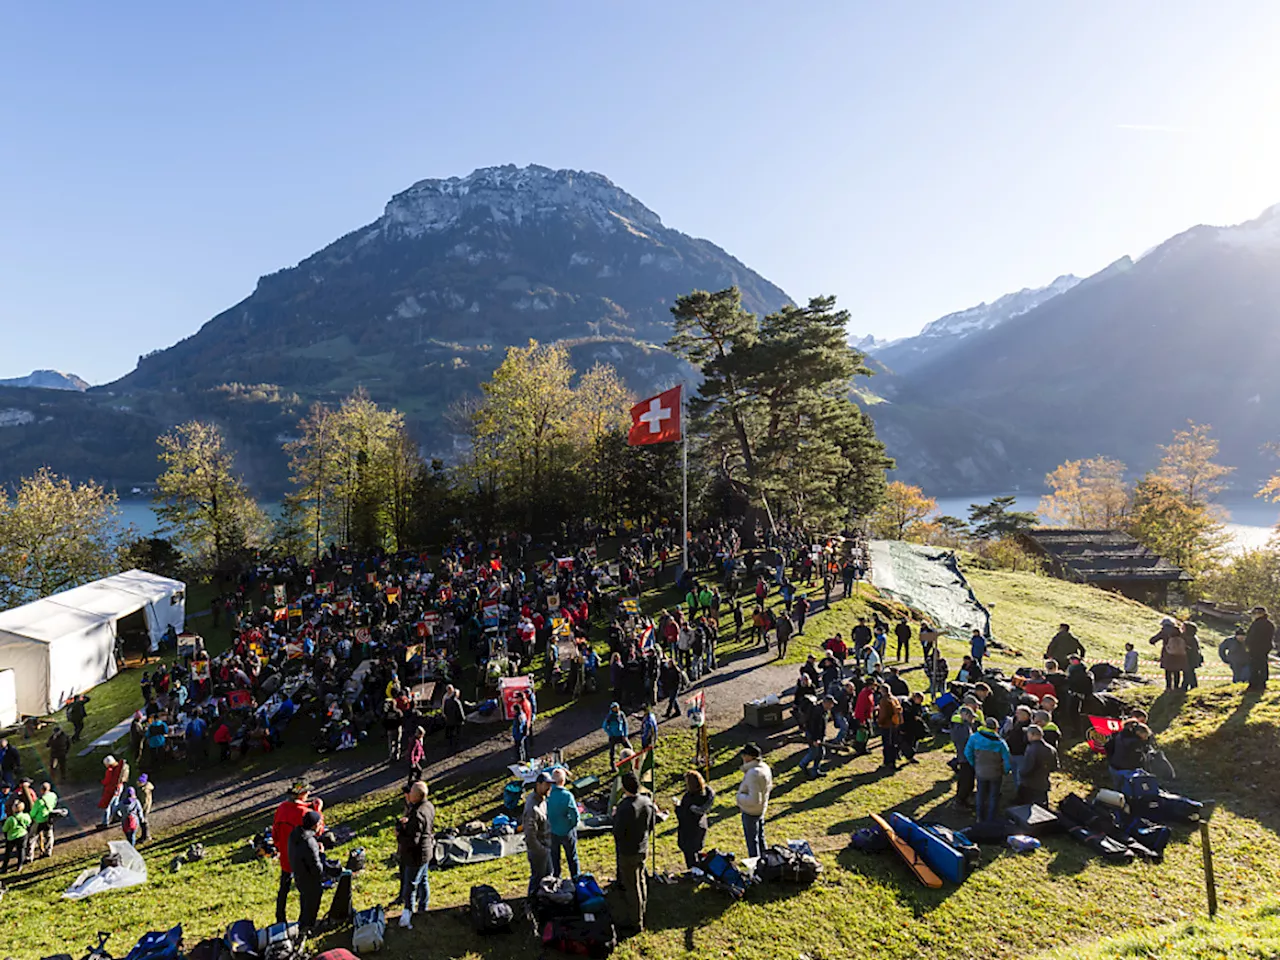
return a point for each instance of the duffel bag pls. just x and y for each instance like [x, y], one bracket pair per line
[589, 936]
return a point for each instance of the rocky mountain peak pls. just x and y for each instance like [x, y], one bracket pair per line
[511, 194]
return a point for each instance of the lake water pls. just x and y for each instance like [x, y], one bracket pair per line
[1251, 525]
[142, 516]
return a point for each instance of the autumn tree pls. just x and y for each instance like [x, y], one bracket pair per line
[1173, 509]
[904, 509]
[1087, 495]
[201, 499]
[354, 471]
[55, 535]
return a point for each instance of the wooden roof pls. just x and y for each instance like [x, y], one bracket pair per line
[1102, 556]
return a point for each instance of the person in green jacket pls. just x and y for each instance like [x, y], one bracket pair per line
[16, 826]
[42, 820]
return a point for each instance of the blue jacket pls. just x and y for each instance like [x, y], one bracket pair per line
[987, 754]
[562, 811]
[978, 647]
[615, 724]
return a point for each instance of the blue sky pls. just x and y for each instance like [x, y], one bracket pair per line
[913, 159]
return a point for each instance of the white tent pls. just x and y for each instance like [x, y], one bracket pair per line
[65, 644]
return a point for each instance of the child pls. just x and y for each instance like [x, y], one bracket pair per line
[1130, 659]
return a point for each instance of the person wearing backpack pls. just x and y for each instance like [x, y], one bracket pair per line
[889, 720]
[415, 846]
[130, 816]
[1173, 653]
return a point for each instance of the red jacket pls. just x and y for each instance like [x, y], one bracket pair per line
[864, 708]
[289, 815]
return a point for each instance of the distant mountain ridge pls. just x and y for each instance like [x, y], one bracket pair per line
[419, 306]
[1112, 366]
[48, 380]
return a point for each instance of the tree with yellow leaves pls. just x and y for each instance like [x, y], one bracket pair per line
[1087, 495]
[902, 513]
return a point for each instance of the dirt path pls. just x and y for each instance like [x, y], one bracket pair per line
[211, 795]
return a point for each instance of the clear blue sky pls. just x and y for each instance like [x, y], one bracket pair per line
[913, 159]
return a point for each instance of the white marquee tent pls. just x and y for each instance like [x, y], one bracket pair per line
[64, 644]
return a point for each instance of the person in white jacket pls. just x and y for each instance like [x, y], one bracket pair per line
[753, 798]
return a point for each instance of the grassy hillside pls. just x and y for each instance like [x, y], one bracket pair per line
[1027, 608]
[1240, 935]
[860, 902]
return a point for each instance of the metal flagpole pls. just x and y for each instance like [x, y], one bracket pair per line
[684, 470]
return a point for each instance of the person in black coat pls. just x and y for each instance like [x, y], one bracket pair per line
[691, 816]
[1259, 641]
[415, 845]
[307, 865]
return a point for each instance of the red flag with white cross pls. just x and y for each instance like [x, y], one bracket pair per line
[656, 420]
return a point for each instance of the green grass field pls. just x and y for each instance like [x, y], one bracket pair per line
[1015, 906]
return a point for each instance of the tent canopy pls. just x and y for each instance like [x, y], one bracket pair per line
[64, 644]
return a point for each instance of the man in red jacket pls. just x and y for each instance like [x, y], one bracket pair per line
[289, 816]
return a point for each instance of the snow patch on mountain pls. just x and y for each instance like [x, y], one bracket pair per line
[48, 380]
[987, 315]
[1262, 233]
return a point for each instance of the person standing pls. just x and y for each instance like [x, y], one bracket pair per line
[454, 717]
[1237, 656]
[632, 822]
[1063, 645]
[815, 734]
[615, 728]
[519, 730]
[977, 647]
[415, 846]
[962, 727]
[197, 741]
[753, 797]
[902, 633]
[691, 817]
[1258, 641]
[307, 863]
[1038, 764]
[800, 609]
[989, 757]
[1191, 637]
[669, 680]
[42, 821]
[783, 628]
[146, 792]
[648, 730]
[15, 828]
[130, 816]
[59, 745]
[889, 720]
[77, 712]
[288, 817]
[562, 819]
[537, 835]
[115, 775]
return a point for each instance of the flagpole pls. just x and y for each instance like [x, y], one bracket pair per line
[684, 471]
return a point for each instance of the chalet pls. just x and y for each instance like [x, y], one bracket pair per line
[1108, 559]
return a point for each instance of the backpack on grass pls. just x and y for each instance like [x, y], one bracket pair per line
[368, 930]
[590, 936]
[489, 914]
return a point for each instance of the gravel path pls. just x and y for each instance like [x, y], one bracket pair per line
[198, 798]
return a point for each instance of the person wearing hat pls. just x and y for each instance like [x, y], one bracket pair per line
[1259, 640]
[810, 670]
[537, 833]
[307, 863]
[146, 790]
[288, 817]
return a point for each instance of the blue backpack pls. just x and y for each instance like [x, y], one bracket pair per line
[158, 946]
[589, 896]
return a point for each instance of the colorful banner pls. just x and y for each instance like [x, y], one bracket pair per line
[630, 606]
[393, 595]
[279, 594]
[295, 611]
[281, 613]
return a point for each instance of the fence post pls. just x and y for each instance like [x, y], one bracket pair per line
[1206, 851]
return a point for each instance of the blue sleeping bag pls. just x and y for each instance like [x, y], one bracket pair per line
[945, 860]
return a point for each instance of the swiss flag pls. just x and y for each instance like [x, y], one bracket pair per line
[656, 420]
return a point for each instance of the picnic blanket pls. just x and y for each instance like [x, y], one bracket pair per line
[131, 872]
[459, 850]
